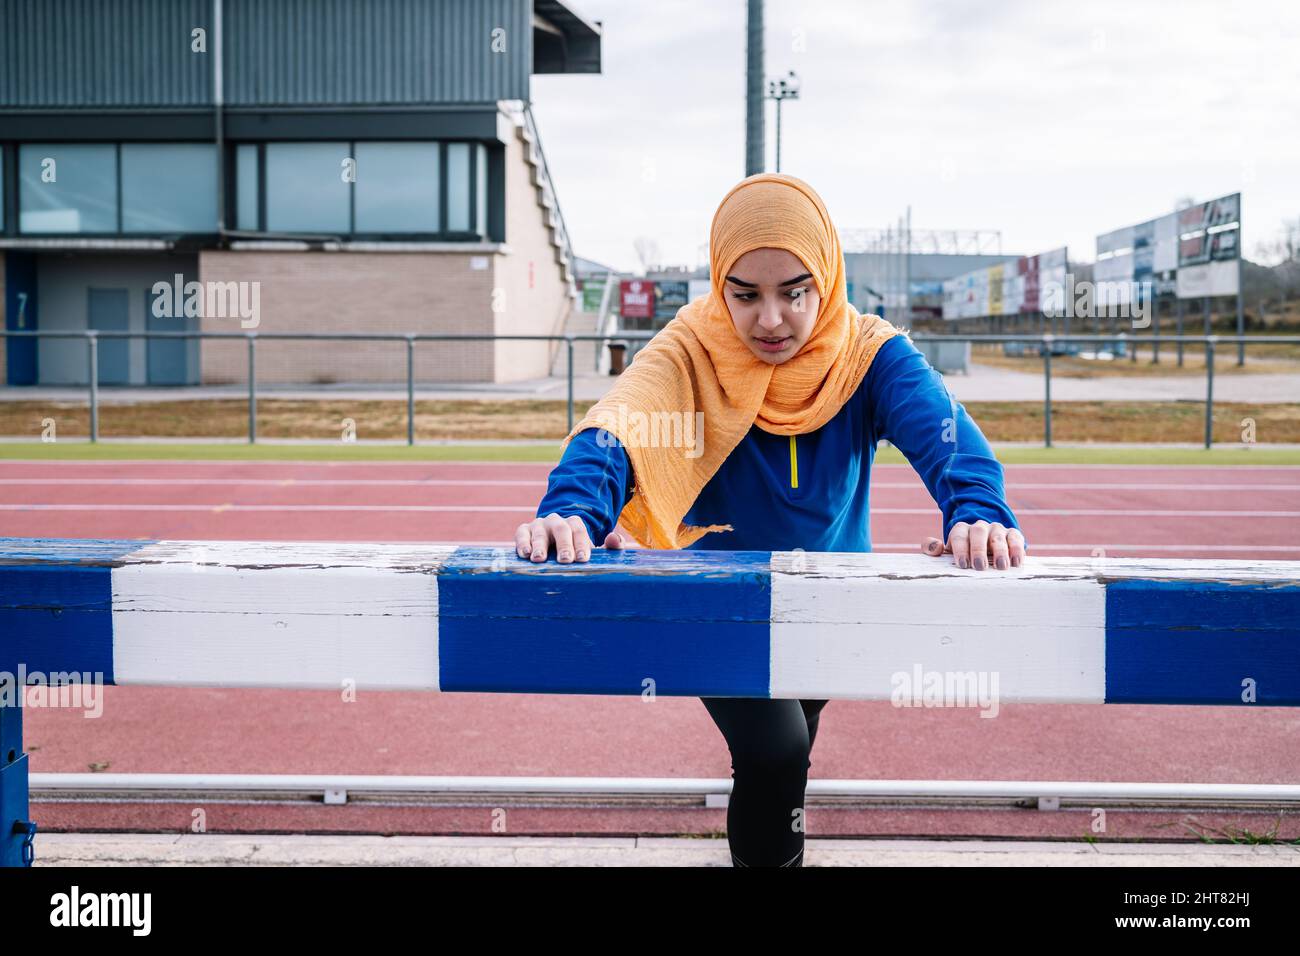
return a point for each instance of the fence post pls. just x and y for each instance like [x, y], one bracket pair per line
[14, 821]
[1241, 315]
[410, 389]
[1047, 390]
[569, 370]
[92, 343]
[1209, 389]
[1155, 330]
[1179, 329]
[252, 388]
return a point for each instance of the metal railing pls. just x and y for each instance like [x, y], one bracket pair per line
[92, 338]
[607, 319]
[548, 189]
[1046, 343]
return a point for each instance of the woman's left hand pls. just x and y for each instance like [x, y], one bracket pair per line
[979, 544]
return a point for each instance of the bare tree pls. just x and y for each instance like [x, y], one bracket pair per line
[1291, 239]
[647, 252]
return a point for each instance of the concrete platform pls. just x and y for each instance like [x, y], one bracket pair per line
[154, 849]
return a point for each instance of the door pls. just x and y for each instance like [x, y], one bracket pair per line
[20, 313]
[168, 358]
[109, 312]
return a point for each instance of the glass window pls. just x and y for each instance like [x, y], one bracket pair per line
[458, 197]
[247, 186]
[306, 188]
[480, 217]
[67, 188]
[169, 187]
[397, 187]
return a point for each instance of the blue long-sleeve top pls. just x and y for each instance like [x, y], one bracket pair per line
[810, 491]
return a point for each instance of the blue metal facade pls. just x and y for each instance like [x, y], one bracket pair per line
[133, 54]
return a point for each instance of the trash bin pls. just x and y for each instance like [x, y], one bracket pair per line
[617, 354]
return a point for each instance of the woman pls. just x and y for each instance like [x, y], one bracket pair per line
[791, 388]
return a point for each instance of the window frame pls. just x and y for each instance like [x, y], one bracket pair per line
[478, 231]
[480, 207]
[16, 176]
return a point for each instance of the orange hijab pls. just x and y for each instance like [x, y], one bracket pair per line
[698, 364]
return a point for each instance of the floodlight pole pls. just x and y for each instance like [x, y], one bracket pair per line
[785, 88]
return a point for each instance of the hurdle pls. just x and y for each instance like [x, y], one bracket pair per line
[330, 615]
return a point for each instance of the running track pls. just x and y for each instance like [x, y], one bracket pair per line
[1239, 512]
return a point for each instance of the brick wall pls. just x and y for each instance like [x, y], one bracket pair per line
[354, 292]
[520, 292]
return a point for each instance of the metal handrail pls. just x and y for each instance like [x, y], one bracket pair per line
[550, 185]
[1045, 341]
[604, 317]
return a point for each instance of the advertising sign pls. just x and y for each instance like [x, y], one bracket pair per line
[669, 297]
[1211, 278]
[636, 299]
[1166, 254]
[1204, 238]
[593, 290]
[1010, 288]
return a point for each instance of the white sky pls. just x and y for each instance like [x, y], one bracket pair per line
[1050, 120]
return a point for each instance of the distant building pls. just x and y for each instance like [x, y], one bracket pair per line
[371, 167]
[591, 269]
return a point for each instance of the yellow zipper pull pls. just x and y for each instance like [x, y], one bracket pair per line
[794, 465]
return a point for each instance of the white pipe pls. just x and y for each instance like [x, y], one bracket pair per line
[83, 785]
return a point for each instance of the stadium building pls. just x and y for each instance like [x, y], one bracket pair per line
[272, 166]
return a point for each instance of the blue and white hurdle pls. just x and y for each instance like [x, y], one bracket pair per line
[683, 623]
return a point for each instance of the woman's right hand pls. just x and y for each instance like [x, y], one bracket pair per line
[535, 539]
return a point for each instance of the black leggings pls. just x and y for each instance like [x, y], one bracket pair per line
[770, 743]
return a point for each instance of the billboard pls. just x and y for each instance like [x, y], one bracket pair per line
[636, 299]
[670, 295]
[1165, 258]
[995, 290]
[1190, 253]
[1211, 278]
[1009, 288]
[593, 291]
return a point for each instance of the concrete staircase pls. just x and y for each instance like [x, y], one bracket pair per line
[526, 131]
[585, 354]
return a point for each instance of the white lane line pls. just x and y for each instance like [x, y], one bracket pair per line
[229, 506]
[1115, 486]
[1111, 513]
[1243, 467]
[541, 482]
[281, 482]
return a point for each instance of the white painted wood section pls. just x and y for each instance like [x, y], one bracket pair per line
[882, 627]
[292, 615]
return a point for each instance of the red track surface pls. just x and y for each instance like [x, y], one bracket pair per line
[1127, 511]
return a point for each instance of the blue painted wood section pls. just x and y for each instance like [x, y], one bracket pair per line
[696, 623]
[57, 619]
[107, 552]
[56, 605]
[1195, 642]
